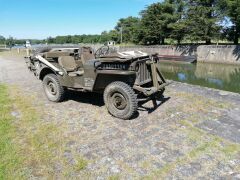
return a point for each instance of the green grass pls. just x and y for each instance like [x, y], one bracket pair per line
[10, 161]
[114, 177]
[81, 164]
[29, 145]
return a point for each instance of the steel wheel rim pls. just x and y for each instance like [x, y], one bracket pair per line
[52, 89]
[119, 101]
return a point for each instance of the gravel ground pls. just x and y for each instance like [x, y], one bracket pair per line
[193, 134]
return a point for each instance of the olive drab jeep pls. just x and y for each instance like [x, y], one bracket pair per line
[124, 78]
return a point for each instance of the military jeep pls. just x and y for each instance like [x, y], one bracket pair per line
[124, 78]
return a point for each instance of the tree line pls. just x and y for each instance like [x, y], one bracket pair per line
[171, 21]
[10, 41]
[182, 21]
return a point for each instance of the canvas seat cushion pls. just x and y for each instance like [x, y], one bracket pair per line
[68, 63]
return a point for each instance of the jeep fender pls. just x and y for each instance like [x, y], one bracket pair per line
[106, 77]
[44, 71]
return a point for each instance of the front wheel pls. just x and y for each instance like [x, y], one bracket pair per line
[52, 88]
[120, 100]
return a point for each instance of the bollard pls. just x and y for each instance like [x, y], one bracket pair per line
[18, 50]
[28, 54]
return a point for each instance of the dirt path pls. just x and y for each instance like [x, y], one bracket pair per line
[195, 133]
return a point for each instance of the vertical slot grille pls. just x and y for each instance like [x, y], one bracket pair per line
[144, 74]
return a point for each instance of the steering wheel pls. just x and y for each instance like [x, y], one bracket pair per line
[102, 51]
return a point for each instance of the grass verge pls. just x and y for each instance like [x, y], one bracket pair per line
[10, 161]
[31, 147]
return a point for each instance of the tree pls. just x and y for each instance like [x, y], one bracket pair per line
[233, 12]
[2, 39]
[59, 40]
[155, 22]
[50, 40]
[178, 27]
[114, 36]
[128, 27]
[202, 20]
[104, 37]
[10, 41]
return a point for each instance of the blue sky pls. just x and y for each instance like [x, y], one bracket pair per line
[43, 18]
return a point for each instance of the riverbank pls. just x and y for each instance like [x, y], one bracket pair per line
[226, 54]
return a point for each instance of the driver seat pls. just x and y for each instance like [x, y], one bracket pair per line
[87, 54]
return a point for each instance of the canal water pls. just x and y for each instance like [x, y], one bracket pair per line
[218, 76]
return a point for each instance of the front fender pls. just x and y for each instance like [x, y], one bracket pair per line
[106, 77]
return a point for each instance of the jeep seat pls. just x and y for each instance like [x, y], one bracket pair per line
[69, 64]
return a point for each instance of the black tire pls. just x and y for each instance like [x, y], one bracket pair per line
[120, 100]
[53, 89]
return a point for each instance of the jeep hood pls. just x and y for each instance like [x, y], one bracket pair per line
[123, 56]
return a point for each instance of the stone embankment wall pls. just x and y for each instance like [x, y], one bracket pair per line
[204, 53]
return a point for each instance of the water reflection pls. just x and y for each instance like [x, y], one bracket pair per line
[219, 76]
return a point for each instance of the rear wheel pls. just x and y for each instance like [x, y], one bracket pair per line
[120, 100]
[52, 88]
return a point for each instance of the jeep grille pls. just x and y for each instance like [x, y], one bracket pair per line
[115, 66]
[143, 73]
